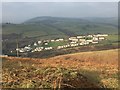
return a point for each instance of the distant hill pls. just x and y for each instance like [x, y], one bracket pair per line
[54, 27]
[110, 20]
[49, 19]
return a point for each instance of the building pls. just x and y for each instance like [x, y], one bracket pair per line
[52, 40]
[39, 42]
[46, 43]
[60, 47]
[3, 55]
[72, 38]
[101, 38]
[102, 35]
[73, 45]
[61, 39]
[90, 36]
[35, 44]
[89, 41]
[82, 40]
[48, 48]
[22, 50]
[81, 43]
[95, 38]
[79, 37]
[95, 42]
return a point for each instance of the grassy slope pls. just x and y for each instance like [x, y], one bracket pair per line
[98, 67]
[84, 28]
[31, 30]
[56, 27]
[111, 39]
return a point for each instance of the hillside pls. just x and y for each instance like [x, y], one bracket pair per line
[97, 69]
[54, 27]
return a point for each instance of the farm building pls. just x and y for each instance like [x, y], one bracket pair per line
[89, 40]
[101, 38]
[48, 48]
[82, 40]
[95, 38]
[35, 44]
[39, 42]
[79, 37]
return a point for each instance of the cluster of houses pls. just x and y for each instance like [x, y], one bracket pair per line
[72, 42]
[84, 40]
[41, 49]
[3, 56]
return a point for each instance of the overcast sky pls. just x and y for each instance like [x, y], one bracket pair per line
[20, 11]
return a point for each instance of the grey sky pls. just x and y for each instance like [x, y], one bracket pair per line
[21, 11]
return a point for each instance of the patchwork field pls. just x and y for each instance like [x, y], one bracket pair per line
[97, 69]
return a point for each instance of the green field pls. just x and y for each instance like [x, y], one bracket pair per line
[53, 27]
[31, 30]
[111, 39]
[47, 28]
[55, 44]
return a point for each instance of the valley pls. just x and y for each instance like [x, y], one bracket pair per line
[48, 30]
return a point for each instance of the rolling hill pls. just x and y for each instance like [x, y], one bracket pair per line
[56, 27]
[97, 69]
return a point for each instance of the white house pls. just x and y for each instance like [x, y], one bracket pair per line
[39, 42]
[95, 38]
[90, 36]
[102, 35]
[74, 40]
[37, 49]
[46, 43]
[95, 42]
[82, 40]
[59, 47]
[71, 38]
[17, 49]
[21, 50]
[57, 40]
[41, 47]
[89, 40]
[29, 45]
[73, 45]
[52, 40]
[81, 43]
[101, 38]
[48, 48]
[79, 37]
[3, 55]
[35, 44]
[61, 39]
[105, 35]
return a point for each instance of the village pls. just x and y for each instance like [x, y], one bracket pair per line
[60, 43]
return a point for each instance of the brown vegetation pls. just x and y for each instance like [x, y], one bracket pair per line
[87, 69]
